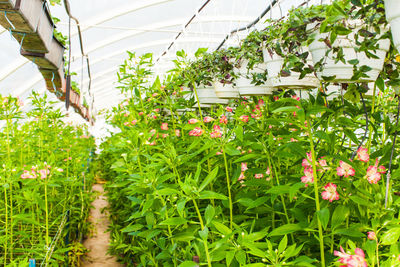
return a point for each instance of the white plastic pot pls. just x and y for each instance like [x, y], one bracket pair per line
[392, 9]
[207, 95]
[244, 85]
[225, 91]
[343, 72]
[274, 64]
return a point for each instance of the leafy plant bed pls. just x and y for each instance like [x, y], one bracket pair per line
[45, 183]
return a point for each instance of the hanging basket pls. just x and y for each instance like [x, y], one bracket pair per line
[343, 72]
[274, 64]
[244, 85]
[225, 90]
[207, 95]
[30, 23]
[392, 9]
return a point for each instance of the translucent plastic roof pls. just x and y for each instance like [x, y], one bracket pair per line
[110, 28]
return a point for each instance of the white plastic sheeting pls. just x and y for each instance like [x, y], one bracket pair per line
[110, 28]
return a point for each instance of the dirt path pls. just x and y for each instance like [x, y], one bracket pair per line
[98, 243]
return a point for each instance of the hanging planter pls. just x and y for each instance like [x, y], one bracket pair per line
[274, 64]
[225, 90]
[30, 24]
[392, 9]
[343, 72]
[244, 83]
[207, 95]
[52, 60]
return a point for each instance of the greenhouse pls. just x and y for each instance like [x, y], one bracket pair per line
[184, 133]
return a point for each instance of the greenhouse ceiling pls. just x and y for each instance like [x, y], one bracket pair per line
[110, 28]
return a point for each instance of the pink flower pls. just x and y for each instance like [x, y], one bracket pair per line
[196, 132]
[164, 126]
[28, 175]
[362, 154]
[276, 98]
[293, 140]
[126, 114]
[43, 173]
[244, 166]
[141, 113]
[193, 121]
[229, 109]
[308, 176]
[165, 135]
[330, 192]
[208, 119]
[219, 153]
[374, 173]
[268, 172]
[261, 102]
[256, 116]
[126, 123]
[241, 177]
[371, 235]
[244, 118]
[258, 175]
[296, 97]
[223, 119]
[215, 134]
[154, 95]
[156, 110]
[345, 169]
[217, 128]
[307, 161]
[178, 132]
[134, 122]
[357, 260]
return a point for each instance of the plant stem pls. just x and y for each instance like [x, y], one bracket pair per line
[317, 204]
[202, 228]
[198, 102]
[11, 188]
[228, 182]
[370, 127]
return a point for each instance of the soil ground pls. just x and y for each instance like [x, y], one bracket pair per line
[99, 241]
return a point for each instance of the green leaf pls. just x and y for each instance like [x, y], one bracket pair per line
[282, 244]
[348, 232]
[323, 216]
[380, 84]
[167, 191]
[132, 228]
[246, 157]
[229, 257]
[286, 229]
[339, 215]
[188, 264]
[209, 214]
[391, 236]
[286, 109]
[240, 256]
[239, 132]
[174, 221]
[222, 228]
[211, 176]
[204, 233]
[231, 151]
[211, 195]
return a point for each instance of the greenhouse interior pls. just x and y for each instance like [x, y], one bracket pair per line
[186, 133]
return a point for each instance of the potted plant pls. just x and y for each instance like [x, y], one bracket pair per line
[251, 70]
[347, 44]
[287, 58]
[392, 9]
